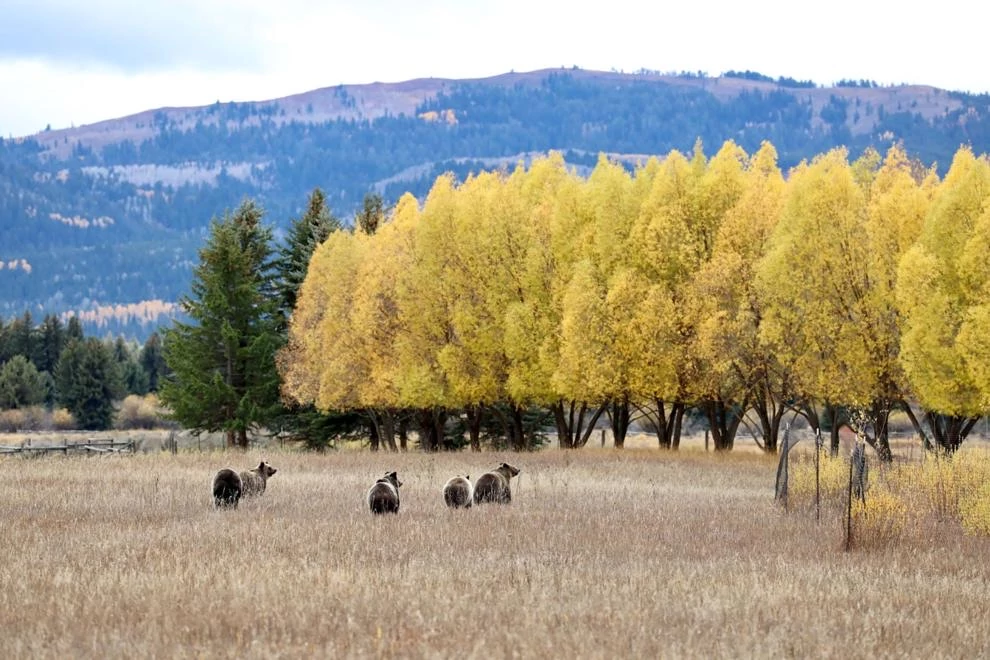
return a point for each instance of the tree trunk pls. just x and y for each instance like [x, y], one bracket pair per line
[242, 439]
[384, 431]
[517, 436]
[474, 425]
[880, 412]
[836, 420]
[618, 417]
[675, 438]
[564, 421]
[403, 434]
[668, 427]
[428, 440]
[770, 414]
[916, 424]
[388, 430]
[373, 435]
[949, 431]
[569, 419]
[723, 422]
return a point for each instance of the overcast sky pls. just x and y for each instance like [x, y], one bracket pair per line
[73, 62]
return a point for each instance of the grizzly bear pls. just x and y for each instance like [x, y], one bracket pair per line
[256, 479]
[383, 497]
[494, 486]
[227, 488]
[457, 492]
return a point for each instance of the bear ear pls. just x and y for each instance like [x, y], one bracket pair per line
[261, 465]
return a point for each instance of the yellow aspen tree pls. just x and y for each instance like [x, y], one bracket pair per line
[423, 298]
[937, 280]
[827, 279]
[662, 256]
[585, 371]
[536, 251]
[376, 320]
[975, 329]
[900, 195]
[318, 364]
[731, 364]
[720, 184]
[591, 231]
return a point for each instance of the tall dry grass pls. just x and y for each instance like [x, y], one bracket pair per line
[602, 554]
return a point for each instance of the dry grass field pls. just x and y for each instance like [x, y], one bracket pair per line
[602, 554]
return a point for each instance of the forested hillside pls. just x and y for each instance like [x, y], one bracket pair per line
[106, 220]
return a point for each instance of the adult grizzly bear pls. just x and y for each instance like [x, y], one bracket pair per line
[494, 486]
[256, 479]
[227, 488]
[457, 492]
[383, 497]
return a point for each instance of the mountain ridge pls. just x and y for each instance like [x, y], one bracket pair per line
[108, 217]
[377, 99]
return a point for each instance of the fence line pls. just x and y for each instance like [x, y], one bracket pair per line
[89, 446]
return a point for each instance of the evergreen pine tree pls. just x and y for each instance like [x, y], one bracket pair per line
[306, 423]
[73, 329]
[21, 384]
[372, 213]
[88, 382]
[222, 361]
[305, 234]
[52, 341]
[153, 362]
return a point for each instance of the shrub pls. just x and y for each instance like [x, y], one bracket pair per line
[880, 521]
[833, 477]
[12, 420]
[62, 420]
[137, 412]
[944, 481]
[974, 511]
[35, 418]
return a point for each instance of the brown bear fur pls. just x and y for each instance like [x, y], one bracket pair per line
[227, 489]
[494, 486]
[255, 480]
[457, 492]
[383, 497]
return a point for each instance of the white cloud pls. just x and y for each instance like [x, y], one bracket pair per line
[66, 61]
[132, 36]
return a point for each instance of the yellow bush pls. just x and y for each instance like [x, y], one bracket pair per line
[974, 511]
[62, 420]
[945, 480]
[138, 412]
[879, 522]
[833, 477]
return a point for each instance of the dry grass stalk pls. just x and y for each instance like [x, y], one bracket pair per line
[638, 553]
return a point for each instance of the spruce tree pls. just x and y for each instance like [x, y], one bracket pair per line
[88, 382]
[52, 334]
[222, 361]
[21, 384]
[306, 423]
[305, 235]
[372, 213]
[153, 362]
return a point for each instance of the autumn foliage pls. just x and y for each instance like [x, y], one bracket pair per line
[721, 283]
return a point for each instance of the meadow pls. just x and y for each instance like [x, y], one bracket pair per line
[637, 553]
